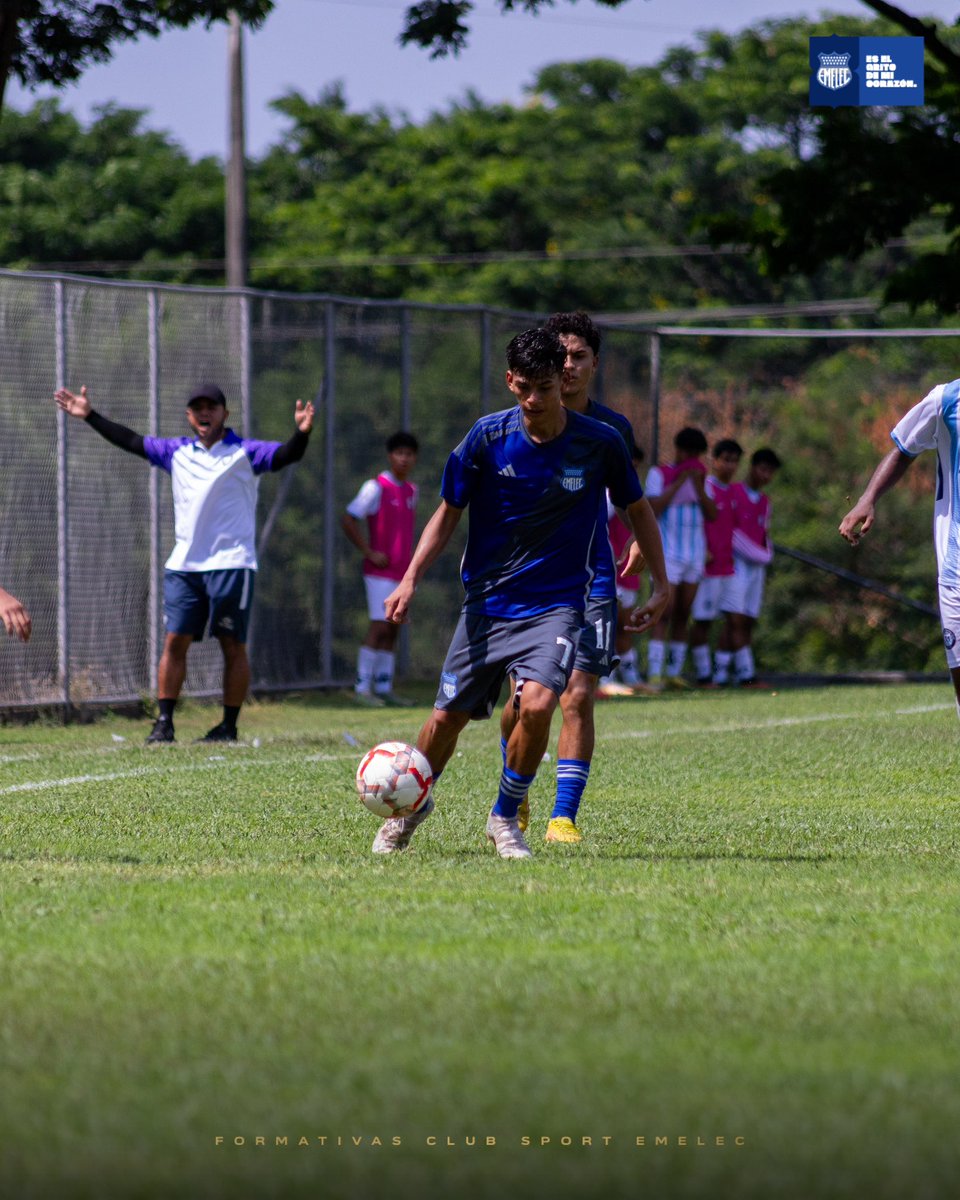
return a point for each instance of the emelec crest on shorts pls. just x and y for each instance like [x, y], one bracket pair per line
[573, 478]
[834, 71]
[949, 639]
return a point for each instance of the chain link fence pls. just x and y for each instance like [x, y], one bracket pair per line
[86, 528]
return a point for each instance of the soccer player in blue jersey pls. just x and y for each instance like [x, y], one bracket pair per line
[933, 424]
[596, 649]
[533, 477]
[209, 576]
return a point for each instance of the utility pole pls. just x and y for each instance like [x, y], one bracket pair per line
[236, 192]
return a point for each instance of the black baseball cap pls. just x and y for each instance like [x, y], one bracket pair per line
[207, 391]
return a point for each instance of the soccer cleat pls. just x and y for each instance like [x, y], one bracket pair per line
[219, 733]
[612, 688]
[162, 732]
[523, 813]
[396, 832]
[562, 829]
[368, 700]
[505, 834]
[753, 683]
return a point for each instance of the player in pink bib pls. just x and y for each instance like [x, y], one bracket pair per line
[752, 553]
[713, 594]
[388, 503]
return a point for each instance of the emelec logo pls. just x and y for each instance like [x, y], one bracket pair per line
[573, 479]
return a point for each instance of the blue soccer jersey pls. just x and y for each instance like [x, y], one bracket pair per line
[533, 510]
[604, 586]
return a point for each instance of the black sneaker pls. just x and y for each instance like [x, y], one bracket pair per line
[162, 731]
[219, 733]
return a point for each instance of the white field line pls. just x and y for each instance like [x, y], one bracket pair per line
[245, 763]
[40, 785]
[740, 726]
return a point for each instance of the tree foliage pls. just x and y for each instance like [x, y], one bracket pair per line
[54, 41]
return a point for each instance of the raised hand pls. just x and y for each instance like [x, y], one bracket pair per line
[72, 404]
[303, 416]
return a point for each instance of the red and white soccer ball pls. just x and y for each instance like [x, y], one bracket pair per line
[394, 780]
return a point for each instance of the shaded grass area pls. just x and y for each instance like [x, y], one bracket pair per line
[756, 941]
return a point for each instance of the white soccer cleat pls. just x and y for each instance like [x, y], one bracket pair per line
[396, 832]
[505, 834]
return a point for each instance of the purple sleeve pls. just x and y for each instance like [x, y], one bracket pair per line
[160, 451]
[260, 454]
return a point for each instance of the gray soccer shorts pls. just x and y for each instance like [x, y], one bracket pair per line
[596, 654]
[484, 650]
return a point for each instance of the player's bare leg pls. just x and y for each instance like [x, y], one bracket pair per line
[576, 745]
[171, 672]
[955, 676]
[524, 752]
[236, 684]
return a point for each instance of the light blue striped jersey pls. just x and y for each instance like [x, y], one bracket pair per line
[934, 424]
[681, 522]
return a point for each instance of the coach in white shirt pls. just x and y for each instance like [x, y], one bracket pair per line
[208, 580]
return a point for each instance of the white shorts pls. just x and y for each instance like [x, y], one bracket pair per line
[627, 597]
[950, 620]
[712, 597]
[745, 594]
[378, 589]
[683, 570]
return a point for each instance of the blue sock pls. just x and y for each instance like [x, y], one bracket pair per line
[572, 774]
[512, 789]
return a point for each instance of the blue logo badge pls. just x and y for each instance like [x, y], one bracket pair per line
[856, 72]
[573, 478]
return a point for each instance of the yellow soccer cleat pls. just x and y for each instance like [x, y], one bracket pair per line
[562, 829]
[523, 813]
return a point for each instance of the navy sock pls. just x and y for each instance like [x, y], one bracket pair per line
[572, 774]
[166, 709]
[512, 789]
[230, 714]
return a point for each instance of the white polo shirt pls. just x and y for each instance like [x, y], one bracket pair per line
[214, 498]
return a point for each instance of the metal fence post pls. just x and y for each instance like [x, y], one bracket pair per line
[329, 491]
[63, 522]
[655, 396]
[153, 405]
[246, 366]
[484, 360]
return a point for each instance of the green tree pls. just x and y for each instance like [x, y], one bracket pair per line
[54, 41]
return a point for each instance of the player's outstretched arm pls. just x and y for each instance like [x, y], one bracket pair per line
[650, 546]
[859, 520]
[116, 434]
[437, 532]
[15, 617]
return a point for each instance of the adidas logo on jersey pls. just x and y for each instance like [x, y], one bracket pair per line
[508, 471]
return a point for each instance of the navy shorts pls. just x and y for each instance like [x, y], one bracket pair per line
[192, 598]
[484, 650]
[596, 654]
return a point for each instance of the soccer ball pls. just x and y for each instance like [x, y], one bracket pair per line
[394, 780]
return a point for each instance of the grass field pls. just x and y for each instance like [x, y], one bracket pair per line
[758, 940]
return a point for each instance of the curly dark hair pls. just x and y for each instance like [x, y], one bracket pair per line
[577, 323]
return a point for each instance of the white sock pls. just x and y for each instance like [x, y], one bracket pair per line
[743, 664]
[656, 651]
[366, 664]
[701, 661]
[383, 672]
[723, 660]
[678, 656]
